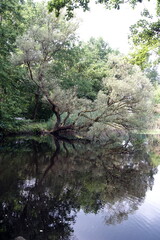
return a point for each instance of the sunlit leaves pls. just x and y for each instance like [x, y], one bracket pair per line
[145, 36]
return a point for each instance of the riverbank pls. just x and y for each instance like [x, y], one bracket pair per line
[26, 127]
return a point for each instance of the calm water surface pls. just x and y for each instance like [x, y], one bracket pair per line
[52, 189]
[143, 223]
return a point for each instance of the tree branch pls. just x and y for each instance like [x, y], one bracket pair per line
[66, 118]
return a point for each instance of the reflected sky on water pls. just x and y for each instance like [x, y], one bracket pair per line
[144, 223]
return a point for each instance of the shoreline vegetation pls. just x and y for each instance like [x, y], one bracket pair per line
[37, 128]
[28, 127]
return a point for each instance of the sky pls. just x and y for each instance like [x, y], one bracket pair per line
[111, 25]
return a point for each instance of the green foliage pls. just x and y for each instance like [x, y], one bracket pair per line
[83, 65]
[140, 57]
[18, 95]
[86, 85]
[10, 24]
[145, 37]
[57, 5]
[157, 94]
[155, 158]
[14, 100]
[15, 95]
[125, 100]
[31, 127]
[153, 75]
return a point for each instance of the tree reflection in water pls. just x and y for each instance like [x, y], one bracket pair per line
[45, 182]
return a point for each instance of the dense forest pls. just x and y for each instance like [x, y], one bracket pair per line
[50, 82]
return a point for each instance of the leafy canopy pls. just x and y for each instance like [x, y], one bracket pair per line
[57, 5]
[145, 37]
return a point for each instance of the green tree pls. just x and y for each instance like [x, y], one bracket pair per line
[36, 51]
[145, 38]
[92, 91]
[11, 21]
[153, 74]
[123, 101]
[84, 65]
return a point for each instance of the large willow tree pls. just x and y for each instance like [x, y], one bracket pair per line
[123, 102]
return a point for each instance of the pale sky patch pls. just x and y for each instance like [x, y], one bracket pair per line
[112, 25]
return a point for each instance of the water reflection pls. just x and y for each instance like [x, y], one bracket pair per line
[44, 183]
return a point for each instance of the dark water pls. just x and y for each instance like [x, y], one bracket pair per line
[51, 189]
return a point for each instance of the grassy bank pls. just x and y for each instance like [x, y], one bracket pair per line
[23, 126]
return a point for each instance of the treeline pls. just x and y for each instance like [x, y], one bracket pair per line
[50, 81]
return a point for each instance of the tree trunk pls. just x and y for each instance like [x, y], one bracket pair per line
[36, 106]
[58, 117]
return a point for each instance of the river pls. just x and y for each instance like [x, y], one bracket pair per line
[67, 190]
